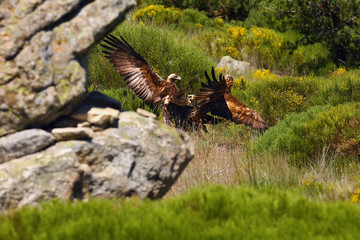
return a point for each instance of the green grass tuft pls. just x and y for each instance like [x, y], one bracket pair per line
[214, 212]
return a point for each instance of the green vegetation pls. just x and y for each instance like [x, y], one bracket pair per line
[332, 24]
[276, 96]
[296, 180]
[216, 212]
[307, 133]
[310, 101]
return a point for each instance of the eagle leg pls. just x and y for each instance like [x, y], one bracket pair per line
[165, 112]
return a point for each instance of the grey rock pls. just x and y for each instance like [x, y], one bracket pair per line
[233, 66]
[72, 133]
[83, 124]
[44, 50]
[141, 157]
[98, 116]
[145, 113]
[23, 143]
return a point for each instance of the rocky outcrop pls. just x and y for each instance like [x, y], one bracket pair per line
[233, 66]
[44, 48]
[76, 145]
[140, 157]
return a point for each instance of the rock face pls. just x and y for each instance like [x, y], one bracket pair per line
[44, 48]
[141, 157]
[86, 147]
[233, 66]
[22, 143]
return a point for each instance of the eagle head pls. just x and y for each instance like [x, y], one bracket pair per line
[229, 81]
[173, 77]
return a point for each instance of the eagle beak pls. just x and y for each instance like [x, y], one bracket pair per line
[179, 78]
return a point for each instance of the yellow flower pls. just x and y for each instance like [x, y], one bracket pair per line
[240, 83]
[221, 69]
[339, 71]
[305, 182]
[264, 73]
[236, 32]
[199, 25]
[355, 198]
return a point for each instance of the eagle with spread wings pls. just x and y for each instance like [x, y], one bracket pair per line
[216, 97]
[142, 79]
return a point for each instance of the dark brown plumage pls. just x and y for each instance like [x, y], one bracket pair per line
[140, 77]
[216, 97]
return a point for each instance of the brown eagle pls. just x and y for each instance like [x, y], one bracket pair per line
[216, 97]
[140, 76]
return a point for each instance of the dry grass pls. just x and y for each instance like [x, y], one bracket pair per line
[222, 157]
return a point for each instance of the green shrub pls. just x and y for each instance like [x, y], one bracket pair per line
[276, 96]
[337, 89]
[305, 135]
[215, 212]
[158, 14]
[316, 58]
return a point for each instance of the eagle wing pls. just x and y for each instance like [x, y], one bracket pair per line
[217, 98]
[137, 73]
[211, 97]
[244, 114]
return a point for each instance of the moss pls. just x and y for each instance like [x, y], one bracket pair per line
[64, 85]
[23, 91]
[2, 131]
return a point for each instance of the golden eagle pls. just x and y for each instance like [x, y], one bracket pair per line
[140, 76]
[216, 97]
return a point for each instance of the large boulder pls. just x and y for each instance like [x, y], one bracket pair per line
[234, 66]
[44, 49]
[75, 145]
[140, 157]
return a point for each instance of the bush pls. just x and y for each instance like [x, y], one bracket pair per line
[157, 14]
[304, 135]
[315, 57]
[264, 47]
[276, 96]
[337, 89]
[236, 10]
[215, 212]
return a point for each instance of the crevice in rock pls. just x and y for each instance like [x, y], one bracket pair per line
[132, 167]
[36, 6]
[77, 189]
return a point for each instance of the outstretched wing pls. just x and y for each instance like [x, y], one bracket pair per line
[244, 114]
[211, 97]
[137, 73]
[217, 98]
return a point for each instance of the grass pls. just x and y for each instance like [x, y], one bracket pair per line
[223, 156]
[293, 154]
[215, 212]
